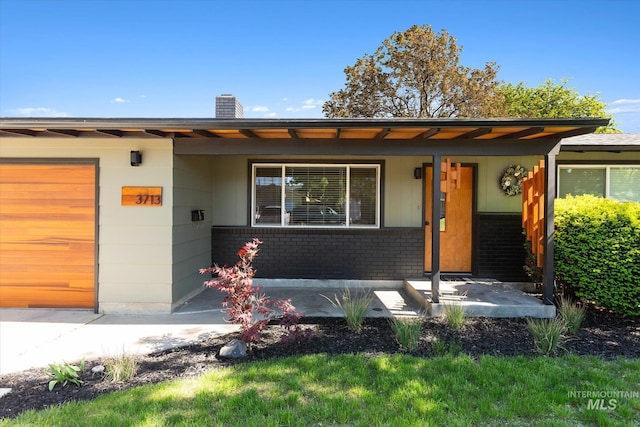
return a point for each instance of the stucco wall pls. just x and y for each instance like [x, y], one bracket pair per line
[134, 243]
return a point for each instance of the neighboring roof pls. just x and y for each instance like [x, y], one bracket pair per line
[602, 142]
[318, 129]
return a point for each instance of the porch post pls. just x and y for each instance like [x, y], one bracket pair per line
[435, 229]
[548, 275]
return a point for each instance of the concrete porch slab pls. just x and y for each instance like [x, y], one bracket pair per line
[480, 297]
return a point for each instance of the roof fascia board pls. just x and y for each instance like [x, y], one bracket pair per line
[249, 124]
[357, 147]
[598, 148]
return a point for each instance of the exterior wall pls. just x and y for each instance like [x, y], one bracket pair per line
[498, 250]
[192, 190]
[134, 243]
[402, 193]
[387, 254]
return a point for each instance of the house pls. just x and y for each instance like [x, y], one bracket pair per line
[118, 215]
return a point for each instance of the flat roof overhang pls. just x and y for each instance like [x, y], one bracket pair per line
[319, 136]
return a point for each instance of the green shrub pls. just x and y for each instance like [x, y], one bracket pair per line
[354, 306]
[597, 252]
[548, 334]
[571, 313]
[456, 315]
[407, 331]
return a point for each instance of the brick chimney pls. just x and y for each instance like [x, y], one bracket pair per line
[228, 107]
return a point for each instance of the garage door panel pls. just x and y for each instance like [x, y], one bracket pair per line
[41, 191]
[13, 262]
[47, 174]
[14, 208]
[30, 249]
[47, 231]
[47, 297]
[47, 235]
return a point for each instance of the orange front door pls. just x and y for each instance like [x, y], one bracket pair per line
[456, 225]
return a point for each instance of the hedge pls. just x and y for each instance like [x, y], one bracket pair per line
[597, 252]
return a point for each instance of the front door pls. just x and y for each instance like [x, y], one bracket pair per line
[456, 224]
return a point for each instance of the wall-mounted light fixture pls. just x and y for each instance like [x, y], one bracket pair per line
[136, 158]
[417, 173]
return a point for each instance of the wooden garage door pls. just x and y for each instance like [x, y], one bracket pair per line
[47, 235]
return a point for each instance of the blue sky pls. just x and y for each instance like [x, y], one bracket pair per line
[162, 58]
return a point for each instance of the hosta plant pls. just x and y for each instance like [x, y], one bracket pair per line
[64, 374]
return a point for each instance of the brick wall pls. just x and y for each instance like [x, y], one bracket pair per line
[381, 254]
[500, 247]
[376, 254]
[228, 107]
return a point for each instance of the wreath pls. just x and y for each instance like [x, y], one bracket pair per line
[511, 181]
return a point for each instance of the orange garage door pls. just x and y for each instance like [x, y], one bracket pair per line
[47, 235]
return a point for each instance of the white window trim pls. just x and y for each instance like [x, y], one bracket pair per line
[607, 173]
[347, 166]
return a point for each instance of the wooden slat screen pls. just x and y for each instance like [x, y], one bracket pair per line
[47, 235]
[533, 210]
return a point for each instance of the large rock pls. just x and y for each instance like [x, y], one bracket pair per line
[235, 349]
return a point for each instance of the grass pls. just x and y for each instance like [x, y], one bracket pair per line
[407, 330]
[440, 347]
[455, 314]
[572, 314]
[354, 306]
[121, 367]
[356, 390]
[548, 334]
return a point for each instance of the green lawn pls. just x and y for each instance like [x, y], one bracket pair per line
[322, 390]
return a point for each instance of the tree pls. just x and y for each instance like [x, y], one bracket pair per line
[415, 74]
[550, 100]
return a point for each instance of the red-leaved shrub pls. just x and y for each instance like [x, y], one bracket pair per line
[247, 306]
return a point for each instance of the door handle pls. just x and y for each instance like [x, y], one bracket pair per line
[426, 223]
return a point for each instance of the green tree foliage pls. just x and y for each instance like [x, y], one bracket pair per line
[597, 251]
[551, 100]
[416, 74]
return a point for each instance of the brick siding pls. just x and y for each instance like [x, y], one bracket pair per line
[376, 254]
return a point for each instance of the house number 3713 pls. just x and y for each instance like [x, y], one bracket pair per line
[148, 199]
[141, 196]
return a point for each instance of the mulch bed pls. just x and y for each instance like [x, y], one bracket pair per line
[600, 335]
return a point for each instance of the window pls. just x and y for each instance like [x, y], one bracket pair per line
[327, 195]
[620, 182]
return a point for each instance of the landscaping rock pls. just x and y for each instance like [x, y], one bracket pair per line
[235, 349]
[98, 369]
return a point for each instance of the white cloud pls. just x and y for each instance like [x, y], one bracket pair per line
[311, 103]
[119, 100]
[291, 109]
[624, 106]
[270, 115]
[37, 112]
[259, 109]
